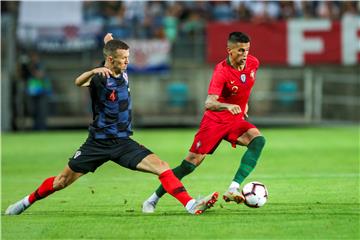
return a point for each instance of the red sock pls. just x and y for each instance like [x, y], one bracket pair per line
[45, 189]
[174, 187]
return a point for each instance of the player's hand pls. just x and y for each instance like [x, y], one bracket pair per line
[108, 37]
[105, 72]
[233, 108]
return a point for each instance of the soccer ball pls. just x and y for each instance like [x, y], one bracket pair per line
[255, 194]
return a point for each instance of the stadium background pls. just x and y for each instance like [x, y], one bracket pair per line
[309, 53]
[306, 103]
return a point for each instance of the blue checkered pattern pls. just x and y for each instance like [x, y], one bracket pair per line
[111, 107]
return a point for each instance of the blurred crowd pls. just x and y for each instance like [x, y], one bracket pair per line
[158, 19]
[169, 19]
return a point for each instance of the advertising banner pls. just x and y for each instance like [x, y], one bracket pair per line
[296, 42]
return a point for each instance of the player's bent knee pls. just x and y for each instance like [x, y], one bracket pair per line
[255, 132]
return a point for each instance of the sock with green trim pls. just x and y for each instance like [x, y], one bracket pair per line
[180, 171]
[249, 159]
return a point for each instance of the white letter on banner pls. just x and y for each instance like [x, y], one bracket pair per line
[298, 45]
[349, 41]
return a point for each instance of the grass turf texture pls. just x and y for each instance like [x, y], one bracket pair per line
[312, 176]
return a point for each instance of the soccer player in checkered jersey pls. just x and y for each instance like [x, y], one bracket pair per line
[226, 108]
[109, 137]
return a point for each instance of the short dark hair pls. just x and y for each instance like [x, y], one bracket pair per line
[113, 45]
[236, 37]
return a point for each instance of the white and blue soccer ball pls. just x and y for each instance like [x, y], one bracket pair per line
[255, 194]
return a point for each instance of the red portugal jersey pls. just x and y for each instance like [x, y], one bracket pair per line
[232, 86]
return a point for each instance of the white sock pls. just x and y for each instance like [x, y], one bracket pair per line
[234, 185]
[25, 201]
[153, 198]
[189, 205]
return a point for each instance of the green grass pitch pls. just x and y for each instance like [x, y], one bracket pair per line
[312, 175]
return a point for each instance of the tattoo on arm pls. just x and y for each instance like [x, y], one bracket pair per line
[213, 104]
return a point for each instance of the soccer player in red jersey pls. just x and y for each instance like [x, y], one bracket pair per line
[226, 107]
[109, 137]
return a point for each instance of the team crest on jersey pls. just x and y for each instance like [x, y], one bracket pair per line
[78, 153]
[243, 78]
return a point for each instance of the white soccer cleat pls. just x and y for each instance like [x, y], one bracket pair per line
[16, 208]
[233, 195]
[148, 207]
[202, 204]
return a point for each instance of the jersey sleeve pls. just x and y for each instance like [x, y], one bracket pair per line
[97, 81]
[217, 82]
[257, 63]
[97, 85]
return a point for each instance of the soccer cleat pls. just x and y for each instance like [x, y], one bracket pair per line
[16, 208]
[204, 203]
[148, 207]
[233, 195]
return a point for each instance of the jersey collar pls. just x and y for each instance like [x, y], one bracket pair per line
[229, 63]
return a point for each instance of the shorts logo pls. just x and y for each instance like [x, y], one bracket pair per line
[243, 77]
[78, 153]
[198, 144]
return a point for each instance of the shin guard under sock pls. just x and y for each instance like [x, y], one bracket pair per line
[174, 187]
[45, 189]
[185, 168]
[250, 158]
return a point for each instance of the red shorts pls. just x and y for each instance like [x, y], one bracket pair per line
[211, 133]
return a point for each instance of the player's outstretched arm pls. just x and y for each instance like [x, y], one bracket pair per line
[108, 37]
[213, 104]
[85, 78]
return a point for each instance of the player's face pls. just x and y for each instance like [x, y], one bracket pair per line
[238, 52]
[120, 60]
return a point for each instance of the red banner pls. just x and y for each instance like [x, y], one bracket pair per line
[294, 42]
